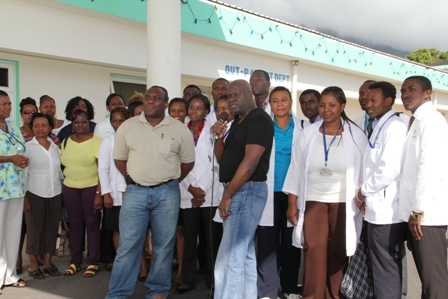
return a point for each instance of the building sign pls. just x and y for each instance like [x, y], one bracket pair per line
[245, 73]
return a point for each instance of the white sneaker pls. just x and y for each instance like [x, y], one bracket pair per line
[292, 296]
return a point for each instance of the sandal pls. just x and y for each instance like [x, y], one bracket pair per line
[18, 284]
[91, 271]
[52, 270]
[72, 269]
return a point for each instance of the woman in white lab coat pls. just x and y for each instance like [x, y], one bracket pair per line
[199, 197]
[321, 182]
[274, 234]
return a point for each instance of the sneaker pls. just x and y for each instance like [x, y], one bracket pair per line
[292, 296]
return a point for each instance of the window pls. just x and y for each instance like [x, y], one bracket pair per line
[9, 70]
[127, 85]
[4, 80]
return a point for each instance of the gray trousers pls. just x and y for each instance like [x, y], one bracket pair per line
[430, 258]
[386, 248]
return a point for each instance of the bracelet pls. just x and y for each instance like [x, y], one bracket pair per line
[98, 192]
[356, 195]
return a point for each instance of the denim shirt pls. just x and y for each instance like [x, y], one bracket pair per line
[283, 145]
[12, 181]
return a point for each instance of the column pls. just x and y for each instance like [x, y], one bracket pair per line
[164, 45]
[294, 85]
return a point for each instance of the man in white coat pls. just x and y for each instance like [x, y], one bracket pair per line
[424, 177]
[379, 193]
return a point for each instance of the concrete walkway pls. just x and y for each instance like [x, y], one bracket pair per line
[78, 287]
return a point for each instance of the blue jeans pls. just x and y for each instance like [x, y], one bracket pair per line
[235, 267]
[160, 207]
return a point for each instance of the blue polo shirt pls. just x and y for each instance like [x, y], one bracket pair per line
[283, 146]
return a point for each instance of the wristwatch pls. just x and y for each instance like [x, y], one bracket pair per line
[416, 216]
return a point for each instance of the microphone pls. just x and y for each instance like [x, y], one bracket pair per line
[222, 118]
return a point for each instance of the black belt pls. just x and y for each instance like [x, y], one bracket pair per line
[130, 181]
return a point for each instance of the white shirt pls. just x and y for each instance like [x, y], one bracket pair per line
[112, 181]
[56, 131]
[381, 172]
[43, 174]
[204, 174]
[331, 188]
[424, 172]
[296, 179]
[104, 129]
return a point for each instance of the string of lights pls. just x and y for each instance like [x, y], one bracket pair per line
[298, 41]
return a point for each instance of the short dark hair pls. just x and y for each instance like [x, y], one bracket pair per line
[3, 93]
[265, 74]
[280, 88]
[73, 102]
[133, 105]
[203, 98]
[27, 101]
[387, 89]
[178, 100]
[39, 114]
[191, 86]
[109, 98]
[424, 82]
[122, 110]
[77, 113]
[308, 91]
[221, 97]
[45, 97]
[220, 79]
[164, 90]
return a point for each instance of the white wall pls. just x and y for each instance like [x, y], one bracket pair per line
[64, 80]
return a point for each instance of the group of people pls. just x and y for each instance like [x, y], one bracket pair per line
[255, 183]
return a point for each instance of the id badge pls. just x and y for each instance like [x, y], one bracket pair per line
[326, 171]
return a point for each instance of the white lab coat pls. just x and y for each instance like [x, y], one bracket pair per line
[381, 172]
[296, 180]
[111, 179]
[424, 172]
[104, 128]
[267, 218]
[203, 175]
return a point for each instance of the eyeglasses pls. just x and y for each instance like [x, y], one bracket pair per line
[28, 112]
[83, 122]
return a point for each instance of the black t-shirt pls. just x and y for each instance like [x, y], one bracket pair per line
[256, 128]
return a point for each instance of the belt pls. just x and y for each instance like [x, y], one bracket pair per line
[130, 181]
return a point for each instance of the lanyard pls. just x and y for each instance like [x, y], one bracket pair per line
[326, 151]
[372, 146]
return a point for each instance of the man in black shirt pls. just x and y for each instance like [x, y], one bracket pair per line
[244, 163]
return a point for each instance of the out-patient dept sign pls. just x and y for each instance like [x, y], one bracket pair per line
[245, 73]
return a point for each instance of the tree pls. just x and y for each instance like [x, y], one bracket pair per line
[427, 56]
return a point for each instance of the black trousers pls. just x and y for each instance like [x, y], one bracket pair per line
[278, 262]
[430, 258]
[386, 243]
[213, 232]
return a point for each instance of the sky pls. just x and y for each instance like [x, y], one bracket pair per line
[406, 25]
